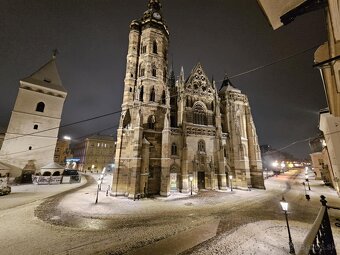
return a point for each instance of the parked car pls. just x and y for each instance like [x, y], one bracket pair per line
[73, 174]
[4, 188]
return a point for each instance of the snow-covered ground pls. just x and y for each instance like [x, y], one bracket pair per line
[249, 222]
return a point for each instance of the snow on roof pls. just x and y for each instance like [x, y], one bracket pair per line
[52, 166]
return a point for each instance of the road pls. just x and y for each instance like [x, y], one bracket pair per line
[70, 223]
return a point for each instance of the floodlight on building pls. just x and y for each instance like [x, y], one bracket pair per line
[66, 137]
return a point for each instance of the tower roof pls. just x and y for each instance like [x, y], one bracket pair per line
[47, 76]
[227, 85]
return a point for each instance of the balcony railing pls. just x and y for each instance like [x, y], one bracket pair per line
[320, 240]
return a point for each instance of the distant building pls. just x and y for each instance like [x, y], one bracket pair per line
[32, 132]
[176, 133]
[326, 58]
[95, 153]
[321, 162]
[62, 151]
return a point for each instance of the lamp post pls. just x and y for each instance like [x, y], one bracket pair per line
[307, 180]
[231, 182]
[98, 182]
[191, 178]
[284, 206]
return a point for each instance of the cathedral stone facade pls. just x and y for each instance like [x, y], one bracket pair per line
[178, 134]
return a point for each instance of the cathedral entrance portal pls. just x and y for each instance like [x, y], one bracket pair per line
[201, 180]
[173, 181]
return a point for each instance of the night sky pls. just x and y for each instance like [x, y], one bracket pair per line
[225, 36]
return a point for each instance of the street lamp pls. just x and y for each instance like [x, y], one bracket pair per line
[307, 180]
[284, 206]
[231, 182]
[191, 178]
[98, 182]
[306, 195]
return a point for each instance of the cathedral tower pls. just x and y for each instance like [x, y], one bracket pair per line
[145, 105]
[34, 125]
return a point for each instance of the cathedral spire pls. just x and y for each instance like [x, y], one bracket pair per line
[155, 5]
[181, 75]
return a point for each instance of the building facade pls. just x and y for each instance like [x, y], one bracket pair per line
[62, 151]
[95, 153]
[32, 132]
[171, 130]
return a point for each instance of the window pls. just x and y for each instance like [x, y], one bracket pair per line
[35, 127]
[154, 47]
[30, 148]
[200, 117]
[130, 89]
[141, 94]
[151, 122]
[173, 149]
[152, 95]
[163, 98]
[201, 146]
[141, 70]
[143, 49]
[164, 75]
[154, 71]
[40, 107]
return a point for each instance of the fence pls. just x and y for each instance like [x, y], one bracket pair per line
[51, 180]
[319, 240]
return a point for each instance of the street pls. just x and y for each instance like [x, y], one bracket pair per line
[237, 222]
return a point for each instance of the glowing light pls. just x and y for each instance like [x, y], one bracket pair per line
[66, 137]
[275, 164]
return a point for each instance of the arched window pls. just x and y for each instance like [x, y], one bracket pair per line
[152, 95]
[40, 107]
[164, 75]
[143, 49]
[35, 127]
[201, 146]
[200, 117]
[163, 97]
[141, 70]
[173, 149]
[151, 122]
[30, 148]
[154, 71]
[212, 106]
[141, 94]
[154, 47]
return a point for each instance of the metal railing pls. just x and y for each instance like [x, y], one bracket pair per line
[319, 240]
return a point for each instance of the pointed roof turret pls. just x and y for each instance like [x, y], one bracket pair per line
[227, 85]
[47, 76]
[181, 75]
[155, 5]
[172, 78]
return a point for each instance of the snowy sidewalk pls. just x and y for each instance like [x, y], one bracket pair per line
[29, 193]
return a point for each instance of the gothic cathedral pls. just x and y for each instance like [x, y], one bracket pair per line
[177, 133]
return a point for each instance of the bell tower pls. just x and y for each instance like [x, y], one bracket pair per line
[145, 104]
[146, 68]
